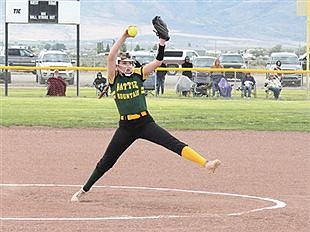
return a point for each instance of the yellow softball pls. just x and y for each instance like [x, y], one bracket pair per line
[132, 31]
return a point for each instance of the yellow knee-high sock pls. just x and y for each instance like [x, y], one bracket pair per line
[192, 155]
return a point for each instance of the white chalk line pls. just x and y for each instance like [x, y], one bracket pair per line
[277, 204]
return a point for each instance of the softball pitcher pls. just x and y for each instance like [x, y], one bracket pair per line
[135, 120]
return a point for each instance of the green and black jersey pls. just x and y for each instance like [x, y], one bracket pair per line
[128, 93]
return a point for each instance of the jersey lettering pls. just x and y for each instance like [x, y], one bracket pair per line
[129, 94]
[126, 86]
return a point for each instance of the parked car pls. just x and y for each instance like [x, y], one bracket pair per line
[202, 79]
[202, 62]
[142, 57]
[289, 61]
[233, 60]
[2, 71]
[19, 56]
[303, 61]
[174, 58]
[53, 58]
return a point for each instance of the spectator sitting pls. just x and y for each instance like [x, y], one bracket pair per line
[100, 84]
[56, 85]
[247, 83]
[224, 88]
[273, 84]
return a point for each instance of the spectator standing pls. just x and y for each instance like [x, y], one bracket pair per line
[216, 76]
[278, 67]
[160, 78]
[248, 82]
[187, 64]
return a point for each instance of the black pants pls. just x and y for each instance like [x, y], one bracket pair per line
[125, 135]
[129, 131]
[160, 85]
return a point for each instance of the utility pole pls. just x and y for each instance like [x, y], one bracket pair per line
[303, 9]
[308, 42]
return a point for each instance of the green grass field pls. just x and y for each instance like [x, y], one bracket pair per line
[30, 107]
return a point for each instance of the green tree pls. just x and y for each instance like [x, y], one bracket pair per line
[107, 48]
[47, 46]
[59, 46]
[137, 48]
[123, 47]
[303, 50]
[259, 52]
[277, 48]
[100, 47]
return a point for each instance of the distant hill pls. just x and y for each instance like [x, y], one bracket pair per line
[196, 23]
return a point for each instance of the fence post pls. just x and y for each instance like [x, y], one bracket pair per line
[235, 82]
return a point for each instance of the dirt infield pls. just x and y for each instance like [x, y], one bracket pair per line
[263, 184]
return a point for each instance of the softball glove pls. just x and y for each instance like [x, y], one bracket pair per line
[160, 27]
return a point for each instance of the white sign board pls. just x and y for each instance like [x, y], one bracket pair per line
[301, 8]
[16, 11]
[34, 11]
[69, 12]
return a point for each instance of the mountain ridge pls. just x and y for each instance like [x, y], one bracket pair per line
[196, 22]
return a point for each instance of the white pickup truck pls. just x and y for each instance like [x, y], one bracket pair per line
[57, 59]
[174, 58]
[290, 62]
